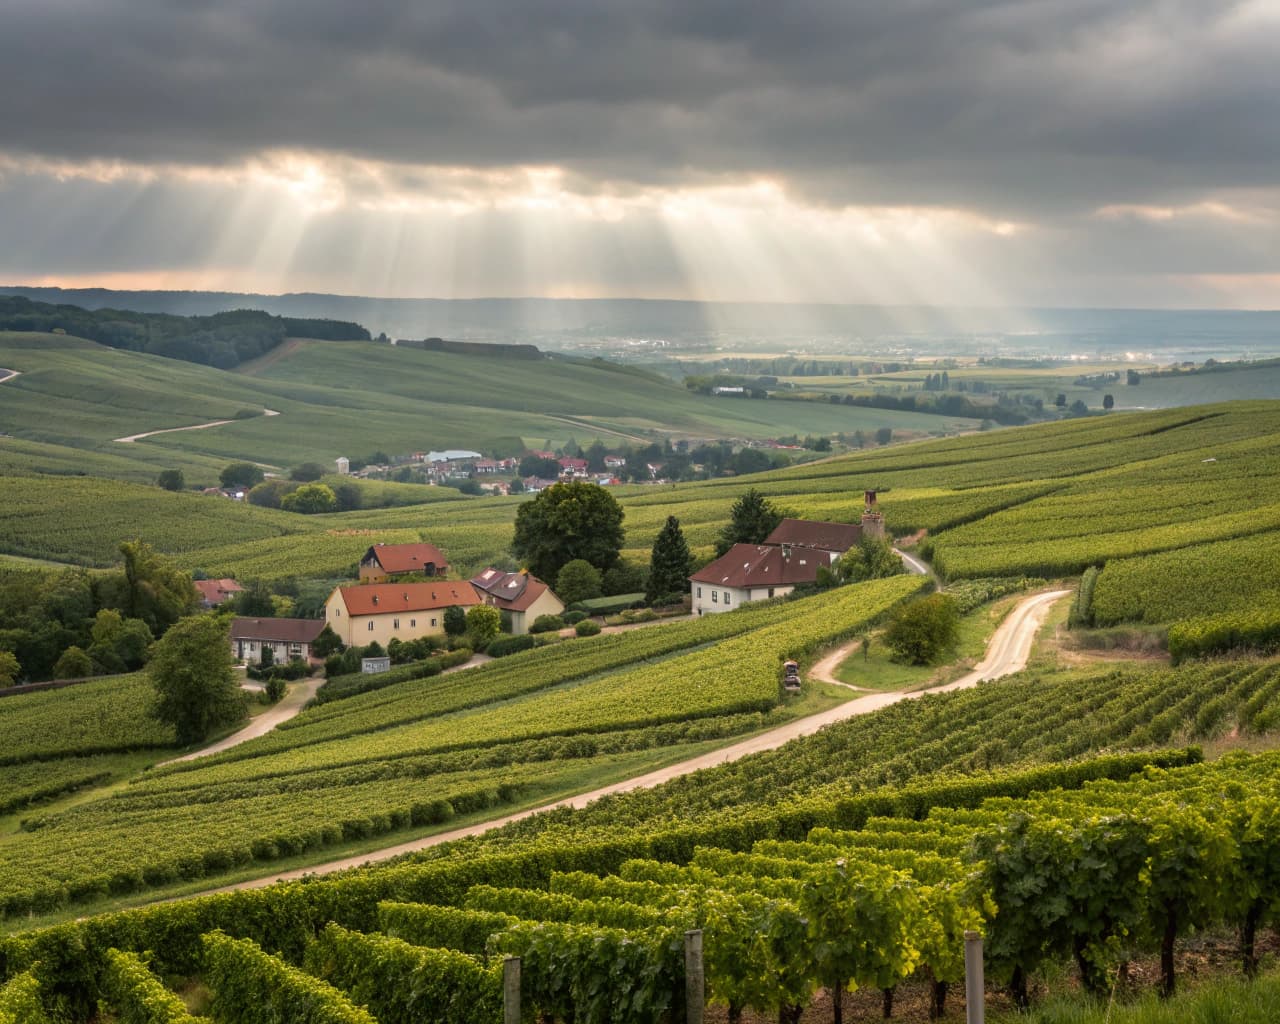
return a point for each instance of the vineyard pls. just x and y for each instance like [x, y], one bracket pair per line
[1062, 812]
[425, 752]
[856, 865]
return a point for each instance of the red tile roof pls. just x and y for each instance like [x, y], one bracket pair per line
[216, 591]
[293, 631]
[407, 557]
[386, 598]
[762, 565]
[806, 533]
[514, 591]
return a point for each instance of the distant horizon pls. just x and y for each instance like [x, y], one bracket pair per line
[797, 303]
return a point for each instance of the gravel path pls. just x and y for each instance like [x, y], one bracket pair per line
[289, 707]
[1008, 651]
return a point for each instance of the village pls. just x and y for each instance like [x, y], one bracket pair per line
[407, 603]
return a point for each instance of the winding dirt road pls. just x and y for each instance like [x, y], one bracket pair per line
[1008, 651]
[6, 375]
[286, 709]
[174, 430]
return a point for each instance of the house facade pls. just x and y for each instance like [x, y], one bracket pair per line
[522, 596]
[384, 562]
[789, 557]
[754, 572]
[360, 614]
[287, 638]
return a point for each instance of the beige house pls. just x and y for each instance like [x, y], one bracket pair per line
[406, 611]
[521, 596]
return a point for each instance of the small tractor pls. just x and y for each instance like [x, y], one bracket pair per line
[791, 677]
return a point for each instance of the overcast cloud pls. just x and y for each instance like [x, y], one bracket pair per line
[1052, 143]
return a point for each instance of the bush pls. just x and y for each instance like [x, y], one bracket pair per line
[275, 689]
[571, 618]
[505, 645]
[547, 623]
[587, 627]
[1082, 606]
[921, 632]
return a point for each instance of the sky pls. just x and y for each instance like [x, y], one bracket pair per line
[947, 152]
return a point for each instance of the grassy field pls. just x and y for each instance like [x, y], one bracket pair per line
[352, 399]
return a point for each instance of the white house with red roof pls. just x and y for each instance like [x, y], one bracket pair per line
[789, 557]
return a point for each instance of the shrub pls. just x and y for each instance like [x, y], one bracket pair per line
[587, 627]
[921, 632]
[547, 623]
[1082, 606]
[505, 645]
[572, 618]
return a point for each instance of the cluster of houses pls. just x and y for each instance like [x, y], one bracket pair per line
[404, 590]
[403, 594]
[454, 464]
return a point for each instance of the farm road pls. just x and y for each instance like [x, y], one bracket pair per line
[195, 426]
[1008, 651]
[8, 374]
[294, 702]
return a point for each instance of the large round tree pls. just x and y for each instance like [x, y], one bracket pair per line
[568, 521]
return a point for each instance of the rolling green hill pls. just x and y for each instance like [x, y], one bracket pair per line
[352, 398]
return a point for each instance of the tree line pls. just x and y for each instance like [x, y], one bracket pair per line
[223, 340]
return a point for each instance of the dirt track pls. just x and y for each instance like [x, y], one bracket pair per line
[1008, 651]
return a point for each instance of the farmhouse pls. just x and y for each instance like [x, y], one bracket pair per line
[520, 595]
[754, 572]
[214, 592]
[384, 562]
[287, 638]
[789, 557]
[572, 467]
[361, 614]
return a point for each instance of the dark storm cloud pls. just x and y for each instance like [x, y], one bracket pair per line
[1019, 109]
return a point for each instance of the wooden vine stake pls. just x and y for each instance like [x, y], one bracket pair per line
[511, 990]
[695, 995]
[974, 985]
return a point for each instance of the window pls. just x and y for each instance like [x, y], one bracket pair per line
[771, 591]
[715, 597]
[395, 623]
[433, 622]
[337, 612]
[413, 623]
[699, 591]
[371, 625]
[726, 597]
[295, 650]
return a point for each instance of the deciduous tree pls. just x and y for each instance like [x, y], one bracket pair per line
[171, 479]
[156, 590]
[578, 580]
[921, 632]
[241, 474]
[567, 521]
[195, 684]
[310, 499]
